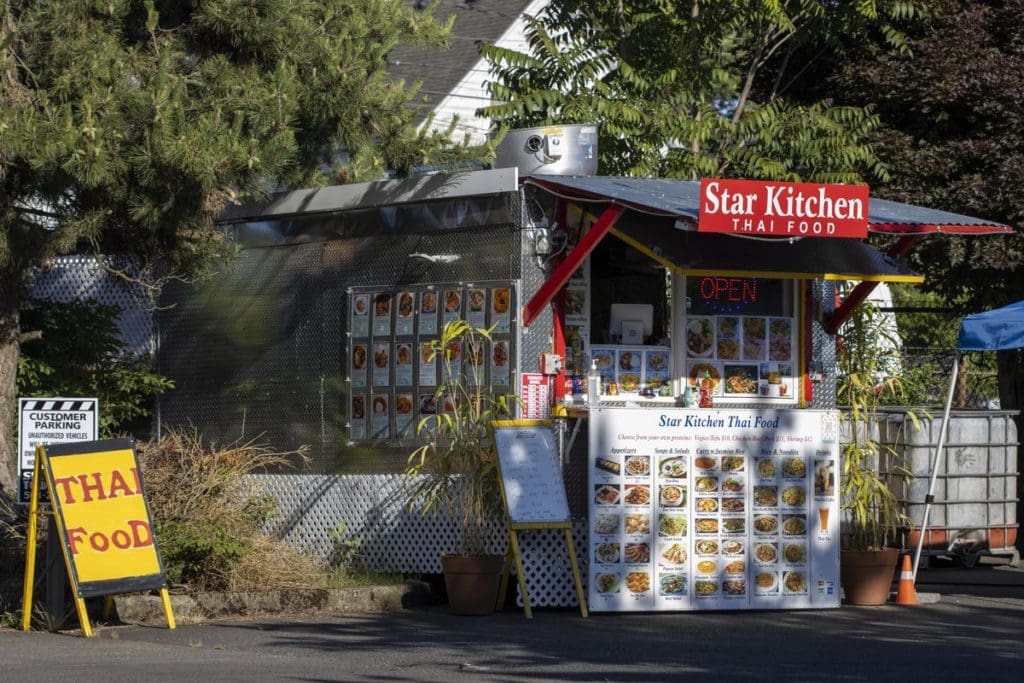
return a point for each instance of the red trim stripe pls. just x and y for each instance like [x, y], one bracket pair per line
[572, 261]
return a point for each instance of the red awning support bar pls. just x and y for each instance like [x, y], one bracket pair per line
[861, 292]
[572, 261]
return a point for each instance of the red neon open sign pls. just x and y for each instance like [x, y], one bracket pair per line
[736, 290]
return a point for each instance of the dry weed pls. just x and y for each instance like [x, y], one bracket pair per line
[209, 519]
[271, 565]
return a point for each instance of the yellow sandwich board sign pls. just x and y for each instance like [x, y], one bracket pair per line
[104, 524]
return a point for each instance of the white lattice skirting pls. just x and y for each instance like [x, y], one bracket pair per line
[371, 510]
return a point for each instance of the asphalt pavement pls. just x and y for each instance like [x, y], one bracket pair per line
[974, 632]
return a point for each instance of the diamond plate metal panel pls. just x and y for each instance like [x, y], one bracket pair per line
[81, 278]
[247, 351]
[261, 348]
[823, 346]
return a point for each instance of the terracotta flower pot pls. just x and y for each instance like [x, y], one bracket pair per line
[472, 582]
[866, 575]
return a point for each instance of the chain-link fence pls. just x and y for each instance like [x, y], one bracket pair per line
[923, 358]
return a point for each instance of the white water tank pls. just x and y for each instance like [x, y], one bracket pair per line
[550, 150]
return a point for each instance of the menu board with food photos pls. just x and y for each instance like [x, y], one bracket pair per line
[632, 370]
[476, 307]
[501, 306]
[428, 312]
[713, 509]
[748, 357]
[393, 371]
[381, 314]
[359, 324]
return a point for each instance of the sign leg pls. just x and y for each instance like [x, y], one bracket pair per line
[30, 547]
[165, 600]
[520, 573]
[56, 575]
[505, 571]
[108, 606]
[83, 617]
[577, 579]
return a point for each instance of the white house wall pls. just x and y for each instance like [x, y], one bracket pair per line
[470, 93]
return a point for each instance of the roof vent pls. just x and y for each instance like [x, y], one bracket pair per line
[550, 150]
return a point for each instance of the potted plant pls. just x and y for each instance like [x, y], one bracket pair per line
[455, 471]
[873, 515]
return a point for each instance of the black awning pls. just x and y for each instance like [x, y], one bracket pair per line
[691, 253]
[681, 198]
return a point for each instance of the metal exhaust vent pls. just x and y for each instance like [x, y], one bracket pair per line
[550, 150]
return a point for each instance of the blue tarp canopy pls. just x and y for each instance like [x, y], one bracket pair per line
[996, 330]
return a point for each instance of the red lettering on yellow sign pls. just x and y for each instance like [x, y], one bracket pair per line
[138, 535]
[93, 486]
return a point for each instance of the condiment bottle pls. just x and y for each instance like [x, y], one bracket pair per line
[707, 388]
[593, 383]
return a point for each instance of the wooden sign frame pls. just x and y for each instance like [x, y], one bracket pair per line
[81, 590]
[514, 553]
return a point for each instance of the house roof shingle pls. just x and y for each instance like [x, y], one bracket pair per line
[439, 72]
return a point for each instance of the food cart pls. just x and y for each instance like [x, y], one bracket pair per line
[316, 336]
[720, 287]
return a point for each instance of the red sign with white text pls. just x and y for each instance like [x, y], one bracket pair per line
[535, 397]
[776, 209]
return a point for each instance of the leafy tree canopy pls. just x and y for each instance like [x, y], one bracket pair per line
[951, 113]
[126, 126]
[688, 89]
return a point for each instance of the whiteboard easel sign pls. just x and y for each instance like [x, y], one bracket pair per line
[531, 474]
[51, 421]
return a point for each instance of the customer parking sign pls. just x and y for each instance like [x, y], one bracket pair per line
[51, 421]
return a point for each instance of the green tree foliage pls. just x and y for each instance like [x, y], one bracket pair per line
[688, 89]
[951, 112]
[79, 353]
[127, 125]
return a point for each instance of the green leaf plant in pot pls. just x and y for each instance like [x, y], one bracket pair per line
[455, 471]
[874, 518]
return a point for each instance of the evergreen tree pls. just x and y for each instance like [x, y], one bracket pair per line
[685, 88]
[127, 125]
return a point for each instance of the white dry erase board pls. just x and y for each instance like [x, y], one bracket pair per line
[531, 475]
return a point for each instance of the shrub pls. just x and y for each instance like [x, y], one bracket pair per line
[79, 353]
[209, 519]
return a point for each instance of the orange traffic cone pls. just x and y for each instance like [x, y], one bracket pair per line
[905, 594]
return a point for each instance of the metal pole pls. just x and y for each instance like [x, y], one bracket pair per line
[934, 463]
[56, 575]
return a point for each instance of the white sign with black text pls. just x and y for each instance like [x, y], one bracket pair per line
[713, 509]
[48, 421]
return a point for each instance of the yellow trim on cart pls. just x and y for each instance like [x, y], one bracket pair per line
[521, 423]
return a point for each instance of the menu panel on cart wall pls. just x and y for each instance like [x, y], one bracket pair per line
[713, 509]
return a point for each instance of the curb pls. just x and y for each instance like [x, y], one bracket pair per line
[192, 608]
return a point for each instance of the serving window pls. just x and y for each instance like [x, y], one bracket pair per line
[742, 333]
